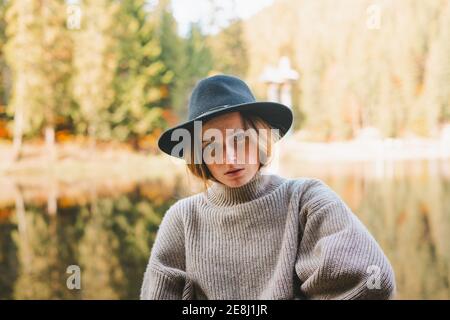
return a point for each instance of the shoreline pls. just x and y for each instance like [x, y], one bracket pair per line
[78, 175]
[368, 150]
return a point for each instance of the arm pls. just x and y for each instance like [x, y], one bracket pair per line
[164, 278]
[338, 258]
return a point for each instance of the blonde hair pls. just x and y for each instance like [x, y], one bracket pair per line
[265, 147]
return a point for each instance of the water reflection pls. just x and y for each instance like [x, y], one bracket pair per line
[110, 236]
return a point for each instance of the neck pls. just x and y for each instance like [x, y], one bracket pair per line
[259, 185]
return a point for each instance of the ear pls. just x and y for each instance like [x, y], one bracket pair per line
[262, 158]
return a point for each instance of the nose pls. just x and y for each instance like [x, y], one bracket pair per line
[230, 154]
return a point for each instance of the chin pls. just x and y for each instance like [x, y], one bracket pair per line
[234, 183]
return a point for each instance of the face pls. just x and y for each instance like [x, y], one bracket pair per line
[238, 161]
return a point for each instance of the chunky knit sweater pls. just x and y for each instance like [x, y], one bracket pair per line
[272, 238]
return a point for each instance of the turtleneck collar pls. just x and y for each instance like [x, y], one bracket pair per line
[260, 184]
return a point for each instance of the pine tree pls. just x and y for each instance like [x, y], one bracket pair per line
[3, 88]
[199, 63]
[228, 46]
[95, 61]
[172, 54]
[142, 79]
[38, 53]
[436, 100]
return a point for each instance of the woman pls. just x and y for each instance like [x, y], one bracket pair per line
[252, 235]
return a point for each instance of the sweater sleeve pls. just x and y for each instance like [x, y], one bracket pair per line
[164, 278]
[338, 258]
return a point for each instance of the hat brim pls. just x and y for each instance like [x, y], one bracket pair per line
[277, 115]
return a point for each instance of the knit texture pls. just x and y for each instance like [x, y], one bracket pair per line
[272, 238]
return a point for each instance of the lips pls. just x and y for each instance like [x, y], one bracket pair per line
[232, 171]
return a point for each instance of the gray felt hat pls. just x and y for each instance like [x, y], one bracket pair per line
[225, 93]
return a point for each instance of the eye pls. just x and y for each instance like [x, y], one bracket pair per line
[210, 147]
[207, 147]
[240, 137]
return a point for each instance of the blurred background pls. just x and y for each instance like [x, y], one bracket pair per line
[87, 87]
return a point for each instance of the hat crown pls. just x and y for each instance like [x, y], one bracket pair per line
[217, 91]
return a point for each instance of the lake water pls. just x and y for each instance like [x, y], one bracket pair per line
[406, 206]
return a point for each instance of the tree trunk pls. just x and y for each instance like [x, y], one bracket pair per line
[50, 143]
[91, 133]
[18, 133]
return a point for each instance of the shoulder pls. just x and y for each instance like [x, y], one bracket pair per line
[182, 207]
[314, 194]
[187, 203]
